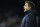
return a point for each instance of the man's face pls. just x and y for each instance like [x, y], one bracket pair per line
[26, 7]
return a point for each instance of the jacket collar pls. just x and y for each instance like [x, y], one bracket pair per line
[27, 12]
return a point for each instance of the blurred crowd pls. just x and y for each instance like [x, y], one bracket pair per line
[7, 20]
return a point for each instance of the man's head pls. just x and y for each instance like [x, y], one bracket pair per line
[28, 5]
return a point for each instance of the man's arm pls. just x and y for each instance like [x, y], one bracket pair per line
[31, 22]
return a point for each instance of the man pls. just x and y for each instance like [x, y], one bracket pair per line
[29, 19]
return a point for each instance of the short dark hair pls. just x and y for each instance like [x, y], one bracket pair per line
[30, 4]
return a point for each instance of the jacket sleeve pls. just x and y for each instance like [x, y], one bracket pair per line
[23, 22]
[31, 22]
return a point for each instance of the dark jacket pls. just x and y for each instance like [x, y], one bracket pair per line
[29, 19]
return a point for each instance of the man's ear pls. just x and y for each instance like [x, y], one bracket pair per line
[29, 7]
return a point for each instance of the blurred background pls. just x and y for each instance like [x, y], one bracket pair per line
[11, 12]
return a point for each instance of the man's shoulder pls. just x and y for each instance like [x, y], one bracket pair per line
[32, 13]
